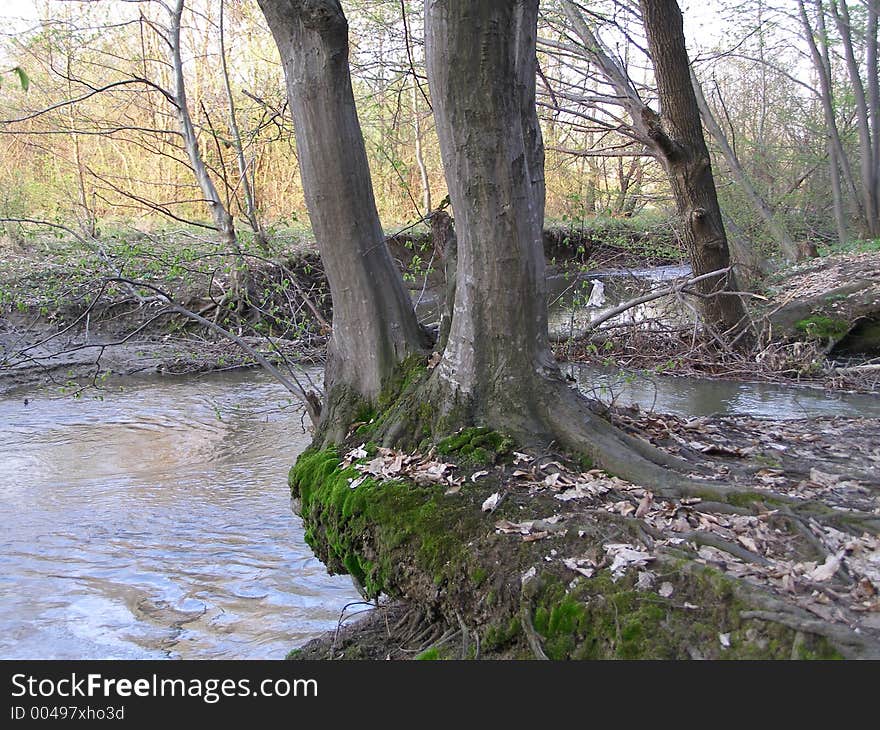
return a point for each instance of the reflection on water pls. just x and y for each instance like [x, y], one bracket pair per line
[696, 397]
[156, 522]
[571, 311]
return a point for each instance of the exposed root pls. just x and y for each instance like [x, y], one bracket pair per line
[532, 637]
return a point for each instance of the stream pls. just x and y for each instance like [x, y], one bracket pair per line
[153, 520]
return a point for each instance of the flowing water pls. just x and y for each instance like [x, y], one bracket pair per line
[156, 522]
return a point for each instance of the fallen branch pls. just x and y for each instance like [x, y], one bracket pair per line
[651, 296]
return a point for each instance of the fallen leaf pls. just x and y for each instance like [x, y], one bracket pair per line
[508, 527]
[477, 474]
[823, 479]
[355, 483]
[827, 570]
[645, 505]
[491, 502]
[725, 640]
[535, 536]
[625, 556]
[666, 589]
[584, 566]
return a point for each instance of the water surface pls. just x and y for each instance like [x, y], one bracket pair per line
[156, 523]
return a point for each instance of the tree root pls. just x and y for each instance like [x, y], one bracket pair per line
[532, 636]
[707, 538]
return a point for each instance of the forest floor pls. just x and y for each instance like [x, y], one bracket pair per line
[614, 553]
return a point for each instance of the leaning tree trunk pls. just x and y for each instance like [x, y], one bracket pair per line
[678, 132]
[222, 218]
[374, 325]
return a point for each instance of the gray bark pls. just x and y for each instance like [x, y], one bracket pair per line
[837, 163]
[374, 325]
[678, 133]
[867, 162]
[481, 69]
[220, 215]
[250, 205]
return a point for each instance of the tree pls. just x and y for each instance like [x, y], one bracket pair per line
[496, 369]
[675, 137]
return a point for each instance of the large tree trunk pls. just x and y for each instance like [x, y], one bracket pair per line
[374, 325]
[481, 70]
[679, 134]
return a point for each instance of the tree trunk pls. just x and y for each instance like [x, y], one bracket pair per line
[677, 141]
[678, 132]
[868, 164]
[481, 70]
[250, 205]
[221, 217]
[374, 325]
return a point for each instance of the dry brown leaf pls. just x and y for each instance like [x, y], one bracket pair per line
[535, 536]
[645, 505]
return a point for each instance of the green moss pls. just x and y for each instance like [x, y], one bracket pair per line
[410, 371]
[478, 445]
[747, 499]
[429, 655]
[294, 655]
[479, 575]
[603, 619]
[398, 518]
[585, 462]
[500, 635]
[820, 327]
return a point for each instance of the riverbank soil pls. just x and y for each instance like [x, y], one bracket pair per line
[71, 316]
[533, 556]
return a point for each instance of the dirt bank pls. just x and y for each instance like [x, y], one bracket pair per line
[526, 555]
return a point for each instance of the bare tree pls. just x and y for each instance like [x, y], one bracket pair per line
[675, 137]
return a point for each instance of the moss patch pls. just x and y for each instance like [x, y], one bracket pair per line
[378, 529]
[478, 445]
[602, 619]
[820, 327]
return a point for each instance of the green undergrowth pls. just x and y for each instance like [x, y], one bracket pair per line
[821, 327]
